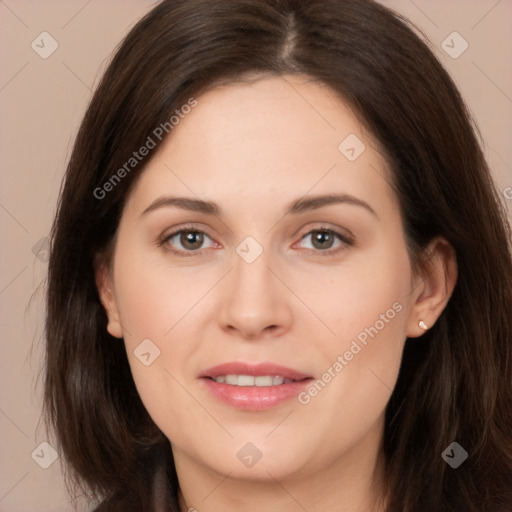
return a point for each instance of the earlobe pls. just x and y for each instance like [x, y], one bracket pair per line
[108, 300]
[434, 287]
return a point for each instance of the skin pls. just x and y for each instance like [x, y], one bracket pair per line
[253, 148]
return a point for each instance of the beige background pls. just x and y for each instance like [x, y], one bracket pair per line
[42, 102]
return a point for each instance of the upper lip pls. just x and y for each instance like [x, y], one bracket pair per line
[260, 369]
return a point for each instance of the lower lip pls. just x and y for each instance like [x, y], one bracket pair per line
[255, 398]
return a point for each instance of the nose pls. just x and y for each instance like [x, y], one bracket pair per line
[256, 303]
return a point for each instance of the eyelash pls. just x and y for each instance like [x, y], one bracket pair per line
[346, 241]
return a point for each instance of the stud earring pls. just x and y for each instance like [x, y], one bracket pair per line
[423, 325]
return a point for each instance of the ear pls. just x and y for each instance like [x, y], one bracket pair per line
[433, 288]
[104, 284]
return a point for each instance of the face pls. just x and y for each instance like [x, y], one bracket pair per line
[284, 267]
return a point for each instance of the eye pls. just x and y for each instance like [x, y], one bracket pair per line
[324, 240]
[191, 241]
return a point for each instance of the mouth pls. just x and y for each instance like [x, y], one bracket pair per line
[251, 380]
[254, 387]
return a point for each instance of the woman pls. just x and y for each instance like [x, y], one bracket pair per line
[204, 351]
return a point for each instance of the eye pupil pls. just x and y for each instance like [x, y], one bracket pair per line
[323, 236]
[193, 238]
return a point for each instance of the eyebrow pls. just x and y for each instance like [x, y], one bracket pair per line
[301, 205]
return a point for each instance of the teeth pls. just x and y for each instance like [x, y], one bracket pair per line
[244, 380]
[250, 380]
[232, 379]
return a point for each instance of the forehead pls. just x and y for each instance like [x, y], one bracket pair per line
[266, 115]
[275, 137]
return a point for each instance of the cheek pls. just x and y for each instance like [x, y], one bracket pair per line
[374, 314]
[366, 306]
[365, 301]
[150, 304]
[152, 294]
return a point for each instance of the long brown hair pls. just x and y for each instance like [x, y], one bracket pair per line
[455, 384]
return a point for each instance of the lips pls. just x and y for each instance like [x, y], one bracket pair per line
[252, 387]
